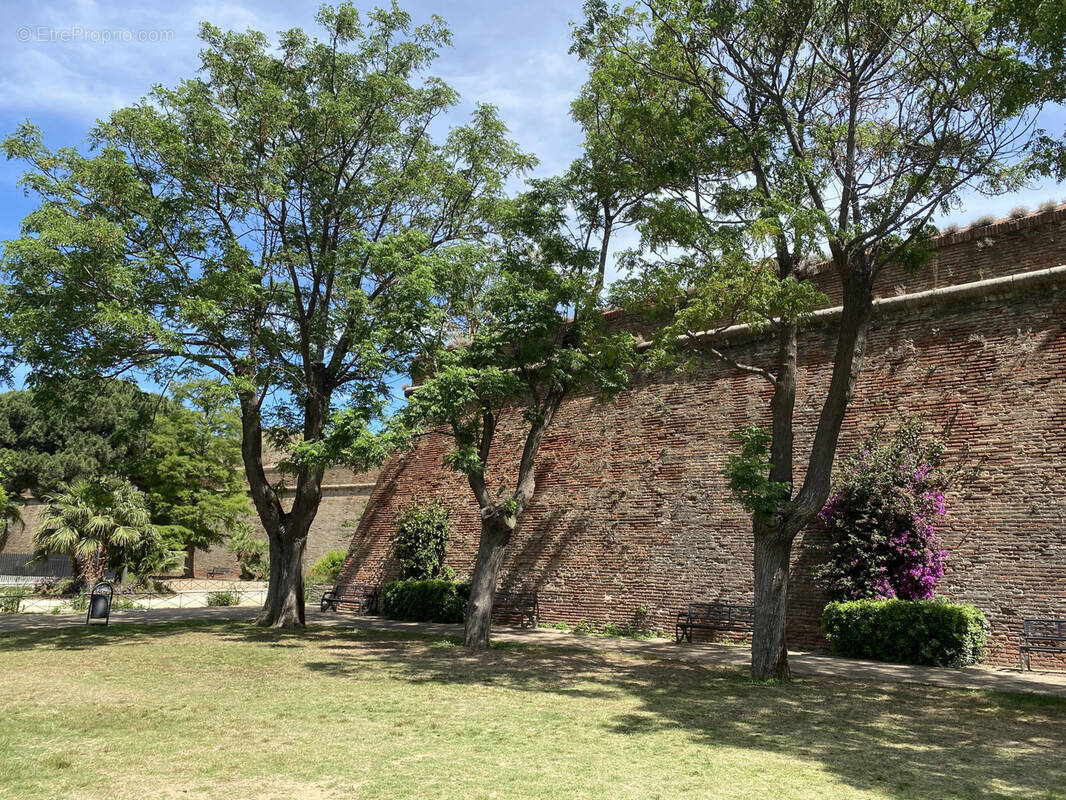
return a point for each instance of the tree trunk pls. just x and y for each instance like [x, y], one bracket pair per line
[769, 650]
[284, 606]
[92, 568]
[495, 534]
[190, 559]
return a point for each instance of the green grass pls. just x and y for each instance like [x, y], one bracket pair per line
[222, 710]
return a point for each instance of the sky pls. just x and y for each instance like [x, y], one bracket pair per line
[65, 63]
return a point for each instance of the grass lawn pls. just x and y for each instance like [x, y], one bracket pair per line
[222, 710]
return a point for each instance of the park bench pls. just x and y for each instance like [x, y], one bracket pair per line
[1041, 635]
[363, 596]
[722, 617]
[520, 606]
[217, 573]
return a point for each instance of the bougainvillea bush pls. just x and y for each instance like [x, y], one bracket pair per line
[882, 520]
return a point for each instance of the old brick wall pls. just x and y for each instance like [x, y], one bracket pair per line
[632, 508]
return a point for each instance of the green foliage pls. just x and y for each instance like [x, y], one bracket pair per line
[907, 631]
[223, 598]
[11, 599]
[748, 470]
[425, 600]
[328, 568]
[420, 542]
[286, 221]
[97, 523]
[252, 554]
[183, 453]
[55, 587]
[51, 438]
[514, 349]
[190, 472]
[10, 513]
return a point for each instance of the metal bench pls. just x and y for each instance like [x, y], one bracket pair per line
[217, 573]
[363, 596]
[522, 606]
[1041, 635]
[715, 616]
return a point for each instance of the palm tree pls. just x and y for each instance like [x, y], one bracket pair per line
[94, 521]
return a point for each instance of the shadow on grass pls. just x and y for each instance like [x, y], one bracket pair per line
[909, 742]
[905, 741]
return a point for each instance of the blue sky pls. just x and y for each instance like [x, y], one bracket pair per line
[64, 63]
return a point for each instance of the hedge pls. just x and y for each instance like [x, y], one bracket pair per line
[930, 632]
[432, 600]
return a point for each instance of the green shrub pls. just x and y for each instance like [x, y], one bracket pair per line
[253, 555]
[11, 599]
[425, 600]
[79, 602]
[328, 568]
[420, 543]
[223, 598]
[907, 631]
[56, 587]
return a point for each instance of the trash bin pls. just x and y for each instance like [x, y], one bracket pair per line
[100, 604]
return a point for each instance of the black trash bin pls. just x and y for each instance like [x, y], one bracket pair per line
[100, 604]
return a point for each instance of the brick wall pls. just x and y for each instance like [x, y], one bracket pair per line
[344, 496]
[632, 509]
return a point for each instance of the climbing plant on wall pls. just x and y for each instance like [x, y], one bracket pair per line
[884, 515]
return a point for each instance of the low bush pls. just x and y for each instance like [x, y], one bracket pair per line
[56, 587]
[223, 598]
[327, 568]
[420, 543]
[930, 632]
[11, 599]
[431, 600]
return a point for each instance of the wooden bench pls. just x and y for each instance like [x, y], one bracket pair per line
[517, 605]
[1041, 635]
[363, 596]
[715, 616]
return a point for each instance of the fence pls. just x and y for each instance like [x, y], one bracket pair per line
[18, 600]
[15, 601]
[22, 565]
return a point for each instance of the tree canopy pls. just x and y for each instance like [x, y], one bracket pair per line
[50, 440]
[190, 471]
[528, 331]
[282, 223]
[824, 131]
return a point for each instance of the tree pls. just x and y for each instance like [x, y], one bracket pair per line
[282, 223]
[55, 437]
[10, 513]
[835, 130]
[516, 356]
[190, 471]
[98, 522]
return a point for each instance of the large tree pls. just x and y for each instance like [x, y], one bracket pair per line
[52, 438]
[190, 470]
[281, 223]
[833, 129]
[528, 332]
